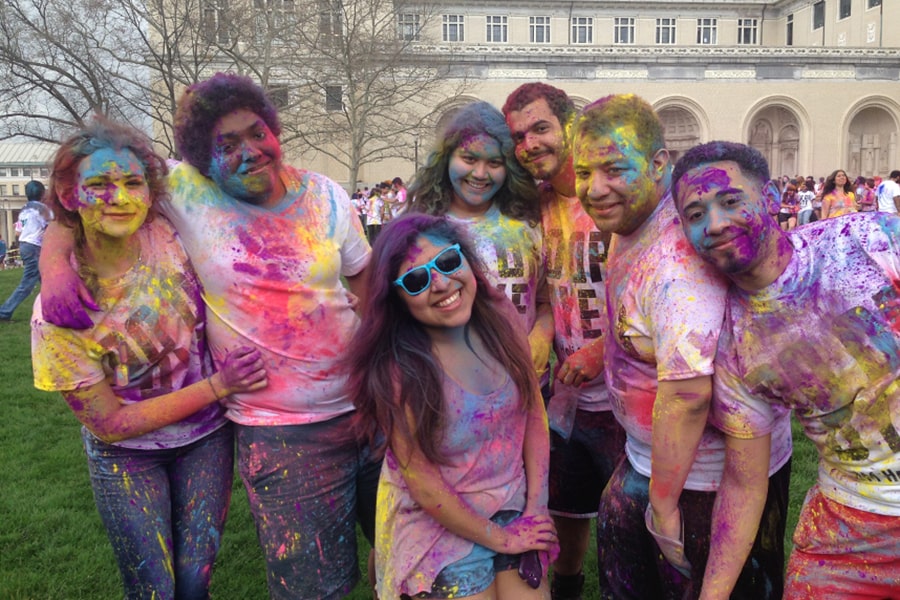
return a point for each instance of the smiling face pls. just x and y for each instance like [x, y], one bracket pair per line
[540, 139]
[246, 159]
[477, 171]
[726, 215]
[447, 302]
[617, 184]
[112, 194]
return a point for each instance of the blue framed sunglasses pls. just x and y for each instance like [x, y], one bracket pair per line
[418, 279]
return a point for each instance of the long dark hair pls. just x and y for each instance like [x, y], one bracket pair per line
[431, 190]
[830, 184]
[393, 373]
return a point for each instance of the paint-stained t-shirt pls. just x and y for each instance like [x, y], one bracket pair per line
[147, 339]
[483, 443]
[511, 252]
[823, 340]
[575, 262]
[666, 307]
[272, 280]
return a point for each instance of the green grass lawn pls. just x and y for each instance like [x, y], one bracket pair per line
[52, 545]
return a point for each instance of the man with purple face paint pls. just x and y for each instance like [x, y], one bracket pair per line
[586, 440]
[812, 325]
[665, 308]
[270, 244]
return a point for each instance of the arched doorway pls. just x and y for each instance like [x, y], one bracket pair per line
[872, 143]
[775, 132]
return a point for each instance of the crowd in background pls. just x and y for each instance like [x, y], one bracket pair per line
[377, 206]
[805, 199]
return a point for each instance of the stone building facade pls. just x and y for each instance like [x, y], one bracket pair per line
[813, 84]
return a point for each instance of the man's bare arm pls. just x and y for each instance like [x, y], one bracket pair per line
[63, 294]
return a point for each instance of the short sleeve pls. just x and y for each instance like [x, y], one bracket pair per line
[63, 359]
[735, 411]
[687, 309]
[355, 250]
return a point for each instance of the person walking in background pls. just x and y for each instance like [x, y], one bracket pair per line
[159, 448]
[867, 199]
[33, 220]
[888, 192]
[3, 250]
[441, 373]
[838, 198]
[586, 440]
[811, 329]
[805, 199]
[790, 206]
[374, 214]
[399, 206]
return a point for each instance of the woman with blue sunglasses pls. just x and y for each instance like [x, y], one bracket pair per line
[473, 178]
[441, 375]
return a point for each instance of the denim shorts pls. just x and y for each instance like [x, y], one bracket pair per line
[476, 571]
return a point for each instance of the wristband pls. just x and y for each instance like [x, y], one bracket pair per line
[213, 388]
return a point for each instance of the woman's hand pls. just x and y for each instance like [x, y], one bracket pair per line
[530, 532]
[242, 371]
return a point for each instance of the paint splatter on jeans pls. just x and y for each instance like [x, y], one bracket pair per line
[635, 568]
[307, 486]
[164, 511]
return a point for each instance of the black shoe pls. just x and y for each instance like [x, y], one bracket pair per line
[566, 587]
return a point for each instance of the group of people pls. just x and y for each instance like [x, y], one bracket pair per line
[805, 201]
[379, 205]
[422, 400]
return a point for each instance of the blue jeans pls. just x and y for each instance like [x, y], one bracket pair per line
[635, 568]
[164, 511]
[307, 486]
[30, 255]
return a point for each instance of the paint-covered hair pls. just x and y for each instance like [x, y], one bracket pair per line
[432, 191]
[830, 183]
[748, 158]
[204, 103]
[605, 115]
[559, 102]
[100, 133]
[392, 369]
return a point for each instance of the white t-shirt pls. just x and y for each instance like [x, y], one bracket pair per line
[823, 340]
[376, 206]
[575, 259]
[272, 280]
[665, 309]
[511, 252]
[806, 200]
[887, 191]
[32, 222]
